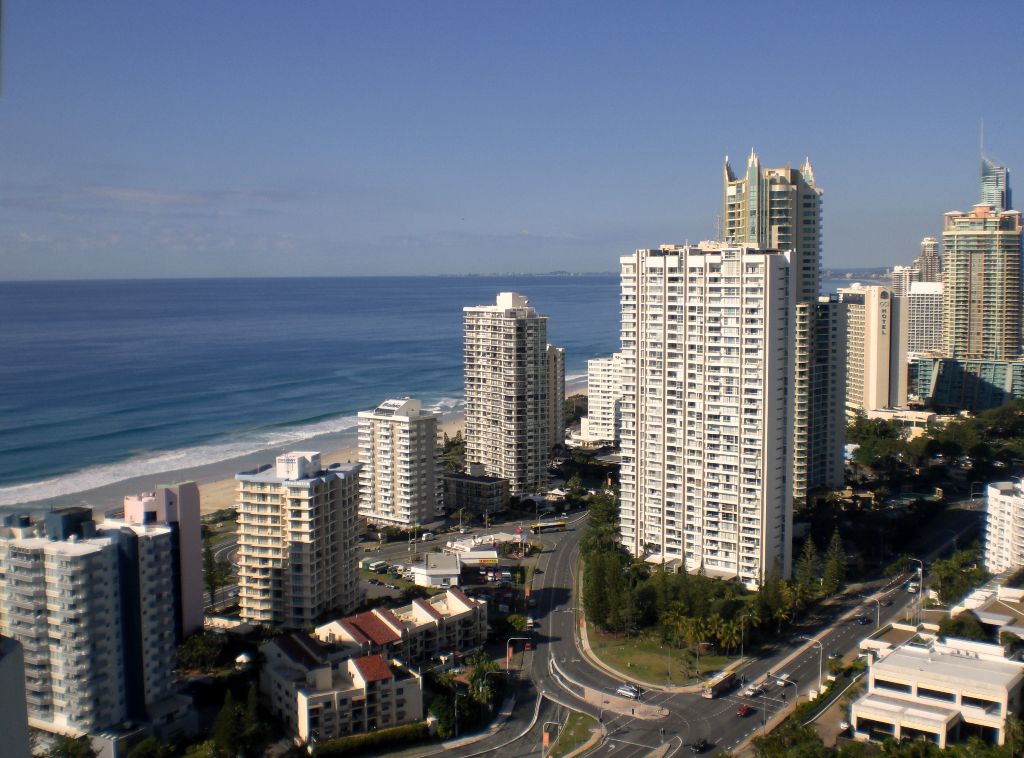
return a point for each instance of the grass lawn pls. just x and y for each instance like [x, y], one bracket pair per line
[646, 658]
[575, 732]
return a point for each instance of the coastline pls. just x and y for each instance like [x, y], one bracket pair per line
[217, 480]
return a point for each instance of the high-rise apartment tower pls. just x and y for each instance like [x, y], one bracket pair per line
[876, 375]
[707, 344]
[508, 391]
[297, 540]
[928, 262]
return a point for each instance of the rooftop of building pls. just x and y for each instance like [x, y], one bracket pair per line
[302, 650]
[463, 476]
[373, 668]
[405, 407]
[950, 665]
[267, 474]
[72, 547]
[440, 563]
[373, 628]
[894, 709]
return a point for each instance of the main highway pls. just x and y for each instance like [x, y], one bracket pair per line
[557, 670]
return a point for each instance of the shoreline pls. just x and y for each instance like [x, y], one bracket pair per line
[217, 480]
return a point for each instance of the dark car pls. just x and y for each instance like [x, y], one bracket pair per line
[744, 710]
[699, 746]
[863, 620]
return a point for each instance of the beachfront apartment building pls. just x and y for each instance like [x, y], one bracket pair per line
[177, 508]
[1004, 527]
[707, 407]
[319, 696]
[508, 391]
[13, 714]
[475, 492]
[900, 279]
[297, 540]
[876, 341]
[604, 396]
[940, 691]
[556, 396]
[399, 483]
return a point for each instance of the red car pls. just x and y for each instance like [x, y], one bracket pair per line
[744, 710]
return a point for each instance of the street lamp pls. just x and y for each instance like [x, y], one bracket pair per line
[698, 657]
[743, 631]
[508, 650]
[821, 651]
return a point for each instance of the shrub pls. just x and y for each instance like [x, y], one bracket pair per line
[373, 742]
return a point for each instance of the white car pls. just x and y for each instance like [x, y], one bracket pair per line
[752, 691]
[628, 690]
[782, 680]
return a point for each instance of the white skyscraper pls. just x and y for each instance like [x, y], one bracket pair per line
[508, 405]
[604, 395]
[399, 484]
[1004, 527]
[297, 540]
[707, 408]
[901, 277]
[876, 338]
[925, 304]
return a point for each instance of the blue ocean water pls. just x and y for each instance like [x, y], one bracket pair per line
[104, 380]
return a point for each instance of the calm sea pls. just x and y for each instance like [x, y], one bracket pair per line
[100, 381]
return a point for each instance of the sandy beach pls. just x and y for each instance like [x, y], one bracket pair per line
[217, 480]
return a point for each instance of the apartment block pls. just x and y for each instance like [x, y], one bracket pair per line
[943, 692]
[399, 484]
[967, 385]
[448, 622]
[901, 277]
[176, 507]
[508, 391]
[604, 395]
[876, 367]
[982, 278]
[297, 540]
[1004, 527]
[826, 404]
[321, 697]
[928, 262]
[707, 355]
[475, 492]
[780, 208]
[556, 396]
[59, 598]
[13, 714]
[924, 304]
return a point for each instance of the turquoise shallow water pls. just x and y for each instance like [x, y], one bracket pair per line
[104, 380]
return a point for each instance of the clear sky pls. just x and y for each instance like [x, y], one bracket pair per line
[152, 139]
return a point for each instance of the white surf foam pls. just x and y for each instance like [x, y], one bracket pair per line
[170, 460]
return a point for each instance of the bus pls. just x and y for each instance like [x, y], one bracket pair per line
[719, 683]
[549, 526]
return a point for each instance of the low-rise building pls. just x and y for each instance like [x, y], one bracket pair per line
[413, 633]
[437, 570]
[944, 692]
[320, 695]
[475, 492]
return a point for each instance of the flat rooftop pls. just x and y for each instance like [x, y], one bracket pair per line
[925, 665]
[268, 474]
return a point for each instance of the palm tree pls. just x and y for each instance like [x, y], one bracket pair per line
[729, 634]
[675, 620]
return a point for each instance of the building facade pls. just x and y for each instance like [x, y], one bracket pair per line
[508, 392]
[876, 340]
[13, 715]
[556, 396]
[924, 306]
[707, 347]
[604, 395]
[1004, 527]
[297, 540]
[995, 185]
[780, 208]
[942, 692]
[928, 262]
[475, 493]
[982, 278]
[901, 277]
[399, 483]
[952, 386]
[827, 405]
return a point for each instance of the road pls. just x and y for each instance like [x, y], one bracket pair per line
[690, 717]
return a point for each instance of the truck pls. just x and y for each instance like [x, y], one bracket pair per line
[719, 683]
[378, 567]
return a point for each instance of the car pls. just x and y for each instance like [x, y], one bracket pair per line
[628, 690]
[391, 586]
[699, 746]
[744, 710]
[887, 602]
[835, 655]
[753, 691]
[782, 679]
[844, 726]
[913, 587]
[863, 620]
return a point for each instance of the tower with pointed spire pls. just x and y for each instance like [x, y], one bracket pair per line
[995, 185]
[780, 208]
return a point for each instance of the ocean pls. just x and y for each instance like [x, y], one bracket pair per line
[105, 380]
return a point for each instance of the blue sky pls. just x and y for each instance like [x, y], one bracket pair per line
[147, 139]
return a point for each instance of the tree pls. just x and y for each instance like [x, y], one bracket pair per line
[67, 747]
[254, 733]
[215, 573]
[200, 652]
[441, 709]
[965, 626]
[150, 747]
[807, 568]
[226, 728]
[834, 572]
